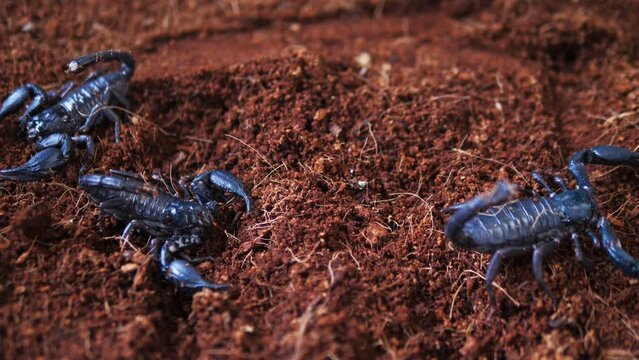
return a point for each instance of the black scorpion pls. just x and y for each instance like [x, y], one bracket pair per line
[177, 222]
[54, 118]
[492, 223]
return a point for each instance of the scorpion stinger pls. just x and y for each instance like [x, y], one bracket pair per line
[126, 70]
[53, 119]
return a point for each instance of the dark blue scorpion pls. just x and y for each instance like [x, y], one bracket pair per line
[57, 120]
[494, 223]
[177, 222]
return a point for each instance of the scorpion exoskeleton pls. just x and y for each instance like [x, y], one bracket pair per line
[177, 222]
[493, 223]
[54, 118]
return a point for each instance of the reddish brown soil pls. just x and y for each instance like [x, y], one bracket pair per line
[344, 256]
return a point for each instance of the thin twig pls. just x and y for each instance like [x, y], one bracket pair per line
[252, 148]
[493, 161]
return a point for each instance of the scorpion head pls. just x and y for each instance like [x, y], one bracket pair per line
[180, 215]
[577, 207]
[49, 121]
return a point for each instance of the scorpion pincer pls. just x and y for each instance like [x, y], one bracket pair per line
[177, 223]
[494, 223]
[56, 120]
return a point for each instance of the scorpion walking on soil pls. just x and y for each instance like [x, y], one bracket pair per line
[177, 222]
[493, 223]
[54, 118]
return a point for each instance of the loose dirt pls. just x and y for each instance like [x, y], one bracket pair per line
[353, 123]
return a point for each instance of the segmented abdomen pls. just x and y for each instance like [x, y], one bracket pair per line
[517, 223]
[126, 199]
[81, 101]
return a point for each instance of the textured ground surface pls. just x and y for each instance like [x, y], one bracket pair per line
[353, 123]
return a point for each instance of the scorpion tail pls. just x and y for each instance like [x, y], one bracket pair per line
[38, 167]
[126, 70]
[624, 261]
[602, 155]
[502, 192]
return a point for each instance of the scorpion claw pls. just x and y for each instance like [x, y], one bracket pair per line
[39, 166]
[14, 101]
[611, 244]
[183, 274]
[602, 155]
[222, 180]
[228, 182]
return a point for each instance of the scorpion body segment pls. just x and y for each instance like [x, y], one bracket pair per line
[129, 199]
[495, 223]
[517, 223]
[54, 118]
[177, 223]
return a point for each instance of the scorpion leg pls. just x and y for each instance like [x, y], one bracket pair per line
[115, 119]
[113, 207]
[127, 174]
[91, 119]
[184, 180]
[594, 238]
[56, 95]
[183, 274]
[539, 178]
[576, 242]
[92, 75]
[148, 226]
[560, 182]
[52, 153]
[208, 187]
[100, 110]
[15, 100]
[196, 260]
[90, 150]
[539, 253]
[121, 99]
[611, 244]
[495, 263]
[602, 155]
